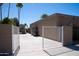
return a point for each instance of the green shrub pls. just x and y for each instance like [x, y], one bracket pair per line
[16, 21]
[8, 21]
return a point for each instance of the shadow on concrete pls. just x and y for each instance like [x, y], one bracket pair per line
[73, 47]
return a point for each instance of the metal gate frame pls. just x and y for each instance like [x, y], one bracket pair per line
[60, 34]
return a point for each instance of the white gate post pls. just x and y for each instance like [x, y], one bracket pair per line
[42, 37]
[62, 34]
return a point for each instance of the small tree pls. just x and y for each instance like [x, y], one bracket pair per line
[0, 21]
[44, 16]
[23, 28]
[6, 20]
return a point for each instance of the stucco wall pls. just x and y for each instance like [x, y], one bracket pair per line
[5, 39]
[15, 39]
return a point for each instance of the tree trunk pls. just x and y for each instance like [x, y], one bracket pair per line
[8, 10]
[0, 13]
[19, 10]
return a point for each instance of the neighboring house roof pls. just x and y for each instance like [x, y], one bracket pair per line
[59, 19]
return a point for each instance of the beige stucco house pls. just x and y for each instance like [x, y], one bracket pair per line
[68, 26]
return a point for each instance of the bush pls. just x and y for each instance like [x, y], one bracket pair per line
[8, 21]
[16, 21]
[0, 21]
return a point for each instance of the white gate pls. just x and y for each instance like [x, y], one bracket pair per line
[52, 36]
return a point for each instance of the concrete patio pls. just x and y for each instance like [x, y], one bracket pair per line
[32, 46]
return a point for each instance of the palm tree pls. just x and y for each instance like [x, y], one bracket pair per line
[9, 10]
[1, 11]
[19, 6]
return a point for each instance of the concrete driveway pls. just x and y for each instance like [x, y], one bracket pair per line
[54, 48]
[32, 46]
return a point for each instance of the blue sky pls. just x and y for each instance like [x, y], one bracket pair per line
[32, 12]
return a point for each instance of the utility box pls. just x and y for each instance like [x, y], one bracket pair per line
[9, 40]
